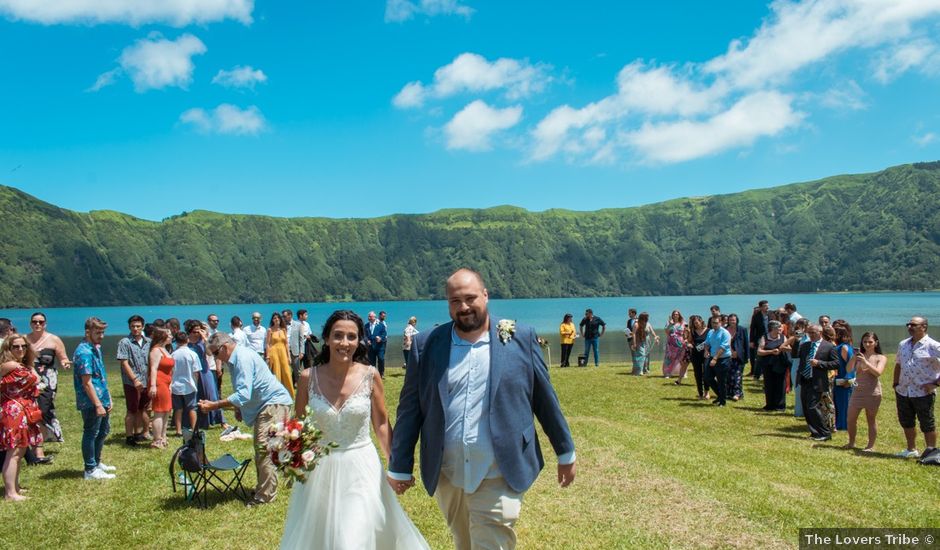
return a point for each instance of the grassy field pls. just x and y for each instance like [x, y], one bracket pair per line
[656, 469]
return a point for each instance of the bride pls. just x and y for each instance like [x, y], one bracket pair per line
[346, 502]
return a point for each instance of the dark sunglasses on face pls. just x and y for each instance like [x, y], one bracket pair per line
[18, 346]
[37, 322]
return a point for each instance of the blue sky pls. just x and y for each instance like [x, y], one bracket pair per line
[362, 109]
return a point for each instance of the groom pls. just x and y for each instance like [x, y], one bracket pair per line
[471, 390]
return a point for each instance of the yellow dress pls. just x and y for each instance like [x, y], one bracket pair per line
[279, 360]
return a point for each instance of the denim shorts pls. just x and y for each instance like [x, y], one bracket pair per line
[184, 402]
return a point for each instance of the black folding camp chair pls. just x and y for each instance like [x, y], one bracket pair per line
[197, 475]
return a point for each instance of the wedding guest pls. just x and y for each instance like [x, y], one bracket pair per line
[696, 346]
[631, 323]
[792, 313]
[758, 329]
[20, 416]
[132, 353]
[276, 345]
[213, 321]
[771, 351]
[592, 328]
[797, 339]
[675, 344]
[6, 329]
[817, 358]
[916, 375]
[93, 399]
[826, 404]
[256, 334]
[376, 336]
[868, 366]
[160, 377]
[259, 401]
[296, 337]
[411, 330]
[718, 349]
[845, 379]
[174, 325]
[824, 321]
[48, 350]
[184, 385]
[739, 355]
[206, 388]
[566, 334]
[468, 476]
[237, 333]
[643, 338]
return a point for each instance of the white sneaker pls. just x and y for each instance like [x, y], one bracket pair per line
[97, 473]
[106, 467]
[909, 453]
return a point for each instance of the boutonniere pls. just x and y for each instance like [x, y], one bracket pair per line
[505, 328]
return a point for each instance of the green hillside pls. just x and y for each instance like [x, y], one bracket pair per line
[856, 232]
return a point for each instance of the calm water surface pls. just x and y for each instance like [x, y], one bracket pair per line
[884, 312]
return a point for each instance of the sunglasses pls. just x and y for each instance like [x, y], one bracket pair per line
[911, 325]
[18, 346]
[37, 322]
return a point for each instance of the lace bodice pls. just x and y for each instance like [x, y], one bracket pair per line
[347, 426]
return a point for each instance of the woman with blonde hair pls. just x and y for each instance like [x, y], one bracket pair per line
[20, 417]
[411, 330]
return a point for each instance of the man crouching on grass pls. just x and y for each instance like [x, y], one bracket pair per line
[259, 401]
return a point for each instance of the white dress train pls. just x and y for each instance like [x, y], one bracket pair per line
[346, 504]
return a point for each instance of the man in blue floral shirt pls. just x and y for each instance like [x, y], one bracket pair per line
[92, 398]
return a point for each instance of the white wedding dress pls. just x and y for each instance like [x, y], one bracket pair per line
[346, 503]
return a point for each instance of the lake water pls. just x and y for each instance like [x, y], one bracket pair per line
[885, 312]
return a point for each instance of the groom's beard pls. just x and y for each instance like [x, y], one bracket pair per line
[470, 321]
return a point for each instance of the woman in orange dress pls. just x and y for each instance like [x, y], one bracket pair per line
[276, 346]
[161, 374]
[20, 417]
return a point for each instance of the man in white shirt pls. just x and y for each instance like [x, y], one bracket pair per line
[256, 334]
[296, 338]
[238, 334]
[916, 376]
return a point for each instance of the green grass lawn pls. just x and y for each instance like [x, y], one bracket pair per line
[656, 469]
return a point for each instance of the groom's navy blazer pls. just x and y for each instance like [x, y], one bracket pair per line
[518, 388]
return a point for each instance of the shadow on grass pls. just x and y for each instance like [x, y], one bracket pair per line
[63, 474]
[784, 436]
[683, 399]
[176, 502]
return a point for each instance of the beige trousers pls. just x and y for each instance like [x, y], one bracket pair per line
[266, 489]
[483, 519]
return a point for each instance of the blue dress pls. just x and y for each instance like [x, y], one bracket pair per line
[841, 395]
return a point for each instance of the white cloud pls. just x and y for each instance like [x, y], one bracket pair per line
[916, 53]
[226, 119]
[848, 96]
[687, 103]
[403, 10]
[925, 139]
[473, 127]
[155, 62]
[240, 77]
[105, 79]
[799, 34]
[178, 13]
[754, 116]
[470, 72]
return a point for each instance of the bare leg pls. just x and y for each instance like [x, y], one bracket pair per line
[144, 423]
[192, 419]
[178, 420]
[931, 439]
[910, 434]
[852, 425]
[159, 425]
[11, 473]
[871, 415]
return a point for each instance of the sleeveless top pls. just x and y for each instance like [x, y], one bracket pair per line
[347, 426]
[779, 361]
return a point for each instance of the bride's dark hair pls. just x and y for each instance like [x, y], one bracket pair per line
[361, 354]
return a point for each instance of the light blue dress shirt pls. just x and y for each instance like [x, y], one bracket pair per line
[719, 339]
[255, 387]
[468, 445]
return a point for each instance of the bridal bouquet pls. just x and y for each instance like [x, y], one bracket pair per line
[296, 446]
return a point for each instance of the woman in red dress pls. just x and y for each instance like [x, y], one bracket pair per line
[20, 417]
[161, 374]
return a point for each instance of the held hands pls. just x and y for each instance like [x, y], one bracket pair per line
[566, 474]
[400, 486]
[814, 362]
[206, 405]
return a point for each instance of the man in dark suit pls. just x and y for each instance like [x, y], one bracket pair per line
[758, 330]
[472, 391]
[376, 334]
[817, 358]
